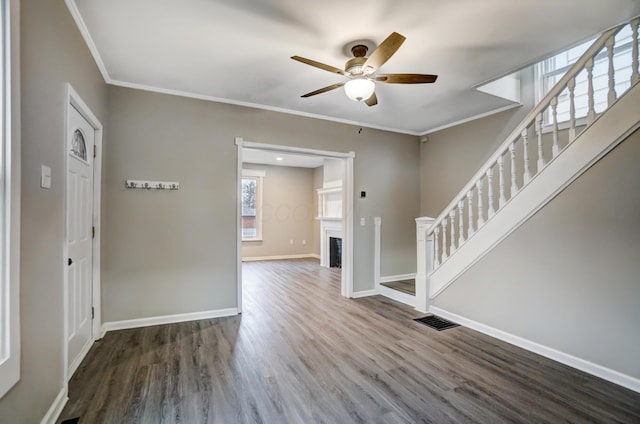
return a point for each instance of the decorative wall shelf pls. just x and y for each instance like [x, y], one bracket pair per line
[153, 185]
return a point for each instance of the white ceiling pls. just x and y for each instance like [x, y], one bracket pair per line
[238, 51]
[265, 157]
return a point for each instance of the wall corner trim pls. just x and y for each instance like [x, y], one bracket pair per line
[166, 319]
[605, 373]
[56, 407]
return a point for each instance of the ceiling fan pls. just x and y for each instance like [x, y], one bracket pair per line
[361, 71]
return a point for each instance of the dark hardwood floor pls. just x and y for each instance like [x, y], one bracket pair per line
[300, 353]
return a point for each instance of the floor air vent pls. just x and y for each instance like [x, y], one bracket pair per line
[436, 323]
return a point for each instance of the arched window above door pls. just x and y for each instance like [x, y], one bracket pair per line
[78, 145]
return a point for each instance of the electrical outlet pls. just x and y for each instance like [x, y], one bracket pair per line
[304, 242]
[290, 241]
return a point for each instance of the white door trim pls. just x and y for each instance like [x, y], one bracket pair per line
[73, 99]
[347, 207]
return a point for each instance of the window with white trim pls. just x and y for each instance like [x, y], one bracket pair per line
[9, 199]
[550, 71]
[251, 196]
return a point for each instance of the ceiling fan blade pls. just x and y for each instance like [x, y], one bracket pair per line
[406, 78]
[385, 50]
[322, 66]
[324, 89]
[372, 101]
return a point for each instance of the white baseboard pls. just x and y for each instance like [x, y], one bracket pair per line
[398, 296]
[365, 293]
[56, 408]
[166, 319]
[281, 257]
[608, 374]
[399, 277]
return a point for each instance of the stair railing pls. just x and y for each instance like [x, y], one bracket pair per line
[513, 159]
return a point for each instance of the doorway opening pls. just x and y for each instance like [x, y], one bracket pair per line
[334, 204]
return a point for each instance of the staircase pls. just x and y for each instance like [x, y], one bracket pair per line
[531, 167]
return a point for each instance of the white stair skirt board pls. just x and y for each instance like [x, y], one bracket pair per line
[56, 408]
[398, 296]
[608, 374]
[166, 319]
[281, 257]
[609, 129]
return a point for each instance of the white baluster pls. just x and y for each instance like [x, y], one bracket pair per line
[444, 239]
[635, 72]
[480, 208]
[525, 143]
[436, 253]
[554, 115]
[611, 96]
[514, 185]
[470, 203]
[461, 218]
[452, 218]
[591, 114]
[490, 191]
[502, 199]
[541, 161]
[572, 109]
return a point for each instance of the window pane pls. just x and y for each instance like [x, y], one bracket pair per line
[249, 209]
[555, 67]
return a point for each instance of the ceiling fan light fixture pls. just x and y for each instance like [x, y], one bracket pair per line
[359, 89]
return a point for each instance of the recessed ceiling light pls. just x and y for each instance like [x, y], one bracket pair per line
[279, 158]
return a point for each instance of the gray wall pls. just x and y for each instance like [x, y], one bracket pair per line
[569, 277]
[452, 156]
[52, 53]
[181, 245]
[288, 212]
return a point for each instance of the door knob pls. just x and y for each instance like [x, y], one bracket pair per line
[70, 261]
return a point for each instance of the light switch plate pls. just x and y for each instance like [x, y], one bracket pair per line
[45, 177]
[363, 222]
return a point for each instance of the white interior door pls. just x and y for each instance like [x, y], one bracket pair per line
[81, 139]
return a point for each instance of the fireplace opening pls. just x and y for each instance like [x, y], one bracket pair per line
[335, 252]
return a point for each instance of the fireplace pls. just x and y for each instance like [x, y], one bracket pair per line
[335, 252]
[330, 229]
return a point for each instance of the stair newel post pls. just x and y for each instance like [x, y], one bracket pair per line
[502, 199]
[541, 161]
[611, 96]
[436, 253]
[489, 174]
[480, 206]
[461, 219]
[554, 116]
[514, 184]
[525, 143]
[452, 218]
[635, 72]
[571, 85]
[444, 239]
[591, 114]
[470, 203]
